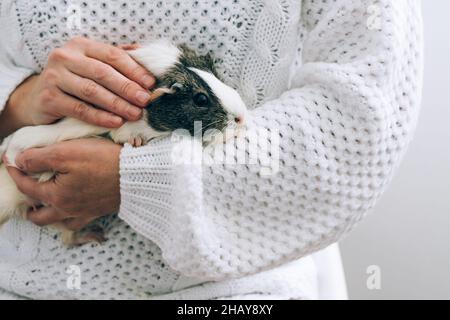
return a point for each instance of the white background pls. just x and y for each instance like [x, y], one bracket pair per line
[408, 233]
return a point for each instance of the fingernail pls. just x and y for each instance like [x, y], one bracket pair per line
[148, 81]
[143, 97]
[134, 112]
[19, 166]
[19, 158]
[116, 121]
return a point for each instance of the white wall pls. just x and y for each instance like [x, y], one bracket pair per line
[408, 233]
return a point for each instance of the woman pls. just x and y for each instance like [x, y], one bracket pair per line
[338, 82]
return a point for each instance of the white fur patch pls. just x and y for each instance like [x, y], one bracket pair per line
[4, 147]
[229, 98]
[136, 129]
[12, 202]
[157, 57]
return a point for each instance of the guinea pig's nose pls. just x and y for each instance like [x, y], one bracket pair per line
[239, 119]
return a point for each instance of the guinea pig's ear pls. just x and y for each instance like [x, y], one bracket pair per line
[159, 92]
[176, 87]
[209, 63]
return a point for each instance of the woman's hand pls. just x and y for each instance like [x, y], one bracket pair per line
[86, 185]
[82, 74]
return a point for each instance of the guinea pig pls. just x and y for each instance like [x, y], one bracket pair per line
[188, 91]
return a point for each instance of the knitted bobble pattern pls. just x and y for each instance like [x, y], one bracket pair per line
[337, 81]
[341, 131]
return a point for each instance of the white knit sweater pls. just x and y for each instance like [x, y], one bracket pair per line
[338, 82]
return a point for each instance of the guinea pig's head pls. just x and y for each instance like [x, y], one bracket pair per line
[189, 95]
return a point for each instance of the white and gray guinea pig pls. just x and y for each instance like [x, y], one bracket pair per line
[189, 90]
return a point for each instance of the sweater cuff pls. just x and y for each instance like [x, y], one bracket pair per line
[153, 180]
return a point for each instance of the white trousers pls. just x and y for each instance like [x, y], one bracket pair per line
[329, 282]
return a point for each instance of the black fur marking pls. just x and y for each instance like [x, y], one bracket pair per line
[179, 110]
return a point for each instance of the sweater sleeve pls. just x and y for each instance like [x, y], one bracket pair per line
[333, 141]
[11, 74]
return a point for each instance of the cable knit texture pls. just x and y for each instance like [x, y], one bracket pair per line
[339, 83]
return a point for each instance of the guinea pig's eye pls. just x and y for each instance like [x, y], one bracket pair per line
[201, 99]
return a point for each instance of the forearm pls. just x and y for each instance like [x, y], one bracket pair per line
[10, 118]
[14, 115]
[341, 135]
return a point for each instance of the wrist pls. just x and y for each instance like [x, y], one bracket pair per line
[18, 104]
[14, 115]
[10, 120]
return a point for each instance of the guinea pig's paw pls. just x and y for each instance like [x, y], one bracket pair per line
[137, 141]
[92, 236]
[44, 177]
[75, 239]
[136, 133]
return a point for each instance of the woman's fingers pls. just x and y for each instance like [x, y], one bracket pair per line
[77, 223]
[91, 92]
[69, 106]
[46, 216]
[120, 60]
[110, 79]
[131, 46]
[35, 190]
[30, 186]
[79, 75]
[39, 160]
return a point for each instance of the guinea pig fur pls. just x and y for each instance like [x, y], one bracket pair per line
[190, 90]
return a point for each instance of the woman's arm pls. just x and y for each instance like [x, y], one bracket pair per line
[342, 131]
[85, 186]
[12, 118]
[78, 76]
[11, 76]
